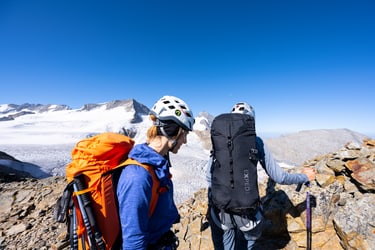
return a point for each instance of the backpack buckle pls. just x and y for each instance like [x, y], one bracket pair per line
[253, 154]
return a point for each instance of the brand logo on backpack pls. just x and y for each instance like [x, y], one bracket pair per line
[246, 180]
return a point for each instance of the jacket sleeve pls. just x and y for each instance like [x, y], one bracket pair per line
[208, 171]
[134, 196]
[277, 174]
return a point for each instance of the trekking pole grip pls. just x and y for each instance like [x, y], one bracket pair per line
[299, 186]
[81, 186]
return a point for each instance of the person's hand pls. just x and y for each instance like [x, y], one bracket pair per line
[310, 172]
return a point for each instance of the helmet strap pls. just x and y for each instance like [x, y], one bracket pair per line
[172, 141]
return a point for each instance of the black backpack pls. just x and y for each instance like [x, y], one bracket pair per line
[234, 182]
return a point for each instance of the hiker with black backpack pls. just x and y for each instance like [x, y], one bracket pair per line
[235, 211]
[146, 221]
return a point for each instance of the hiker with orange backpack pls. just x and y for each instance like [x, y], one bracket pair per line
[146, 223]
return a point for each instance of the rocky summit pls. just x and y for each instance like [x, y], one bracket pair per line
[342, 204]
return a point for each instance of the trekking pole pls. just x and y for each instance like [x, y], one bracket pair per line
[86, 202]
[85, 218]
[308, 214]
[74, 230]
[308, 217]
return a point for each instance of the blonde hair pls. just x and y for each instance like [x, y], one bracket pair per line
[152, 132]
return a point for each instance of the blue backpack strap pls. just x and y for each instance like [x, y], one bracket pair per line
[261, 154]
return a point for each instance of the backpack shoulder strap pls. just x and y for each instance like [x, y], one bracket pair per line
[155, 182]
[261, 154]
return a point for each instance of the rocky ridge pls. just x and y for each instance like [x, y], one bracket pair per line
[12, 111]
[342, 215]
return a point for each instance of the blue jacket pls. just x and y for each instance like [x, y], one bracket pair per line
[134, 196]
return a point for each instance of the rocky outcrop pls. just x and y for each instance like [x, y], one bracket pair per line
[343, 209]
[342, 200]
[26, 211]
[16, 168]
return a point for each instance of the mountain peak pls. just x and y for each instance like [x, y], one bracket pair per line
[130, 105]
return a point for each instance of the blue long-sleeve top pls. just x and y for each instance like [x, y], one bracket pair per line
[134, 196]
[272, 168]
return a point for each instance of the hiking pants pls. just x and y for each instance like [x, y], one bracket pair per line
[232, 238]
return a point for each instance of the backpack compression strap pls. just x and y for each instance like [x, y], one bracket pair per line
[155, 183]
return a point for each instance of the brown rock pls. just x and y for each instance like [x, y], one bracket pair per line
[367, 142]
[363, 171]
[324, 180]
[336, 165]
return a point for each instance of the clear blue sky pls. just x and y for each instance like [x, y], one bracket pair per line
[301, 64]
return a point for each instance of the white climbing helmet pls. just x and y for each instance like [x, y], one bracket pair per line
[243, 108]
[175, 109]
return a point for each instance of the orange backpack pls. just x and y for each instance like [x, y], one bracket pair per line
[89, 200]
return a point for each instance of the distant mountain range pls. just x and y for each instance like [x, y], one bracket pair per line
[26, 123]
[13, 111]
[296, 148]
[39, 124]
